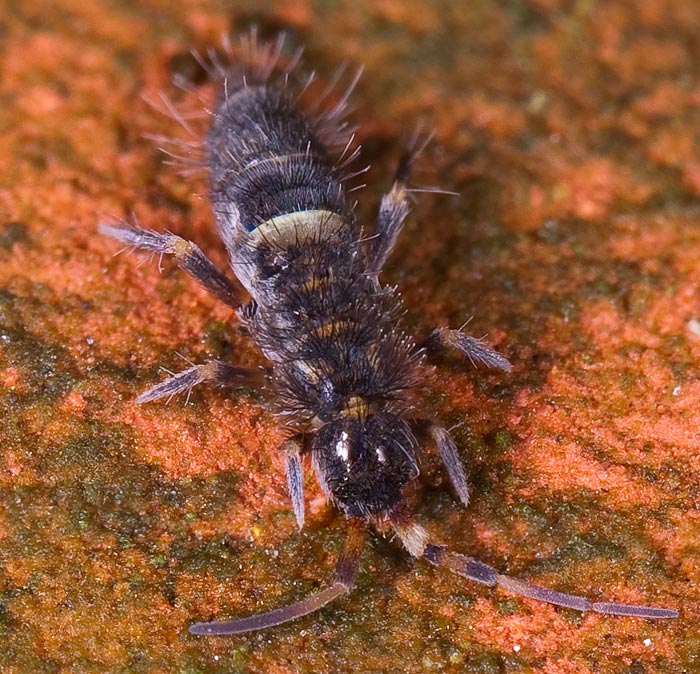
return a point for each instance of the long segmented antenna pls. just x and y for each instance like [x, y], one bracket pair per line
[415, 540]
[345, 572]
[479, 572]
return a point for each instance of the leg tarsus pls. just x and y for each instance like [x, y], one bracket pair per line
[187, 255]
[295, 478]
[213, 371]
[443, 339]
[448, 453]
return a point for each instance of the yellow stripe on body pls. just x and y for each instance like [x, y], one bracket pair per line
[329, 329]
[355, 407]
[297, 227]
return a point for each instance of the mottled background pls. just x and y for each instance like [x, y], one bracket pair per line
[571, 130]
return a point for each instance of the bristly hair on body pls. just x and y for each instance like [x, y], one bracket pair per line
[344, 373]
[258, 63]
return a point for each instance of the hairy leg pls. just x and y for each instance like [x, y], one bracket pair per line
[394, 208]
[213, 372]
[187, 255]
[448, 453]
[444, 339]
[295, 477]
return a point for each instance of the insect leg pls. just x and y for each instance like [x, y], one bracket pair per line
[345, 572]
[443, 339]
[483, 573]
[187, 255]
[448, 453]
[392, 212]
[394, 206]
[295, 477]
[213, 371]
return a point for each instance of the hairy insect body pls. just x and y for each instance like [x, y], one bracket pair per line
[265, 162]
[344, 372]
[340, 364]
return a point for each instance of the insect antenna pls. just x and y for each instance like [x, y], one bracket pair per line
[414, 538]
[345, 572]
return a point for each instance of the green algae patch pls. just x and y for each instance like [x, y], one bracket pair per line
[12, 233]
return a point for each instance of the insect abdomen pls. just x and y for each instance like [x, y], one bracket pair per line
[265, 161]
